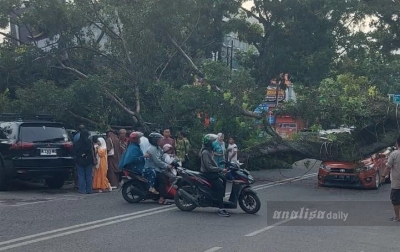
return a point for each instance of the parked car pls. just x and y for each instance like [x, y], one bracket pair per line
[362, 174]
[34, 147]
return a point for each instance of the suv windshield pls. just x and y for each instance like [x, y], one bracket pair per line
[42, 133]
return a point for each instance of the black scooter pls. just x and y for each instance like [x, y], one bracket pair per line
[195, 191]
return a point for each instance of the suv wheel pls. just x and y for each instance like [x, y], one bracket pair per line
[56, 182]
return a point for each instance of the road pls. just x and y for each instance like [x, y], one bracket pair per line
[37, 219]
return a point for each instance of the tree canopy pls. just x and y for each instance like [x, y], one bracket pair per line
[150, 63]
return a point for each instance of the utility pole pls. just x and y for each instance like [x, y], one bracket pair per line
[278, 85]
[231, 54]
[227, 55]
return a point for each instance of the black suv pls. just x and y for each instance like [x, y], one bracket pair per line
[34, 147]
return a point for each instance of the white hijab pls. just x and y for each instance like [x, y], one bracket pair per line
[102, 146]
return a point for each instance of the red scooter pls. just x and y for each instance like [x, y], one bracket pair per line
[136, 189]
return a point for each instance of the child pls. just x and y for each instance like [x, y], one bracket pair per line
[169, 158]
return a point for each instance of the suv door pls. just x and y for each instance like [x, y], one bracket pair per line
[42, 146]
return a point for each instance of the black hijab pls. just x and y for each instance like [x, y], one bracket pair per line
[83, 145]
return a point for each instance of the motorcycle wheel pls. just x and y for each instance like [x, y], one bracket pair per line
[249, 202]
[181, 203]
[131, 193]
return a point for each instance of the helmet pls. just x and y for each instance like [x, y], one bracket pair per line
[167, 147]
[153, 138]
[135, 134]
[209, 139]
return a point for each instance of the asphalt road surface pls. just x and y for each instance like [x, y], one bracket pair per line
[37, 219]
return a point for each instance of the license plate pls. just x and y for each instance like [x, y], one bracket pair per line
[341, 177]
[48, 152]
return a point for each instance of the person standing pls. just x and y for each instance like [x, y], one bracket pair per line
[232, 150]
[167, 140]
[75, 139]
[100, 181]
[232, 155]
[114, 153]
[182, 148]
[84, 159]
[78, 133]
[219, 151]
[393, 168]
[123, 139]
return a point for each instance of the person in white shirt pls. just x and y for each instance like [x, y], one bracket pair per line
[232, 156]
[232, 150]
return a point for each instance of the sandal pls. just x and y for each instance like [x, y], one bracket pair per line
[394, 219]
[164, 202]
[154, 191]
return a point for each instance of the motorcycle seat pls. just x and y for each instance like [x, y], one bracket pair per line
[133, 172]
[193, 172]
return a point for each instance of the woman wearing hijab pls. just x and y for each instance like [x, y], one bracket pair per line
[113, 157]
[100, 181]
[85, 160]
[133, 160]
[219, 151]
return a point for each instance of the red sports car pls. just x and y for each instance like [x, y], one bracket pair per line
[363, 174]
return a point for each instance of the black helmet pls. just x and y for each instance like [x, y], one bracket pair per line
[209, 139]
[153, 138]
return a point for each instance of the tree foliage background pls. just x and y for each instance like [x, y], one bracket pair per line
[130, 63]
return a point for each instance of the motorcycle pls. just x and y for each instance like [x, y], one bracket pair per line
[195, 191]
[136, 189]
[241, 173]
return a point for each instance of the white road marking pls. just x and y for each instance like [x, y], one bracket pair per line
[285, 181]
[3, 202]
[83, 225]
[267, 228]
[113, 220]
[81, 230]
[213, 249]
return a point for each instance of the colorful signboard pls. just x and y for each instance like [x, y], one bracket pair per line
[271, 95]
[396, 98]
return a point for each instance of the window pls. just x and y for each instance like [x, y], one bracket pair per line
[289, 125]
[42, 133]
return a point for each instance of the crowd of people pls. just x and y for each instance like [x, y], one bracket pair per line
[99, 161]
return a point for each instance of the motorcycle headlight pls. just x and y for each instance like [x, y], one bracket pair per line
[325, 167]
[251, 179]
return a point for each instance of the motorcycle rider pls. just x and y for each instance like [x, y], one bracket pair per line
[133, 159]
[156, 162]
[210, 171]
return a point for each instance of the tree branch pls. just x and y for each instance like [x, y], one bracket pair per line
[84, 119]
[259, 18]
[74, 70]
[120, 104]
[183, 53]
[12, 38]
